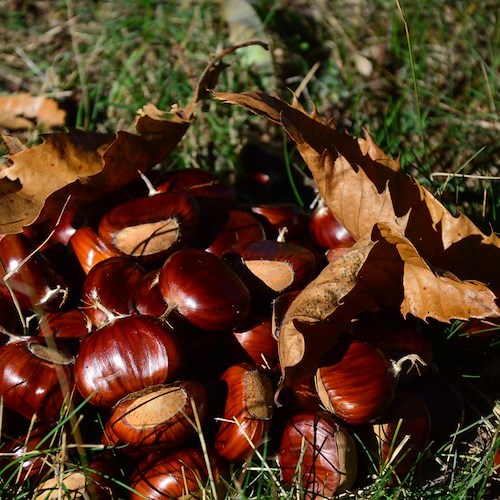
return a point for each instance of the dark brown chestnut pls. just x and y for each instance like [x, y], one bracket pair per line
[247, 414]
[319, 454]
[33, 281]
[35, 379]
[287, 218]
[204, 290]
[357, 384]
[146, 296]
[124, 356]
[100, 296]
[152, 227]
[159, 415]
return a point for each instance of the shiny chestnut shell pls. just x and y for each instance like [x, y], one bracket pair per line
[110, 283]
[125, 356]
[317, 453]
[283, 216]
[160, 415]
[249, 401]
[152, 227]
[175, 475]
[357, 384]
[35, 378]
[204, 290]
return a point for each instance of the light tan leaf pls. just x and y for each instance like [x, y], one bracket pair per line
[24, 111]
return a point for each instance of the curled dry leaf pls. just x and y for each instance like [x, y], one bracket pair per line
[24, 111]
[411, 251]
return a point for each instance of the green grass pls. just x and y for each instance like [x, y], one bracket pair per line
[430, 97]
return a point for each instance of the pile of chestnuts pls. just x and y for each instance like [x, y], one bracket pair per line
[151, 335]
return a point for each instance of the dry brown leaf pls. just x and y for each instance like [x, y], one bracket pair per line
[24, 111]
[80, 165]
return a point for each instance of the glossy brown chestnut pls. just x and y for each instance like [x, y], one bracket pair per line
[406, 420]
[152, 227]
[204, 290]
[35, 284]
[326, 230]
[71, 324]
[286, 217]
[100, 295]
[35, 379]
[178, 475]
[124, 356]
[89, 249]
[358, 384]
[247, 414]
[272, 267]
[158, 415]
[319, 454]
[239, 227]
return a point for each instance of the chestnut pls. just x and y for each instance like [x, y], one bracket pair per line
[317, 453]
[247, 414]
[160, 415]
[204, 290]
[99, 292]
[126, 355]
[89, 249]
[258, 343]
[326, 230]
[35, 379]
[239, 227]
[402, 434]
[146, 296]
[152, 227]
[270, 267]
[357, 383]
[175, 475]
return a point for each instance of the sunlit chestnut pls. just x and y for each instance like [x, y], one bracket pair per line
[326, 230]
[204, 290]
[247, 414]
[35, 379]
[33, 282]
[356, 383]
[270, 267]
[161, 415]
[89, 249]
[239, 227]
[152, 227]
[177, 475]
[318, 454]
[402, 434]
[100, 295]
[125, 355]
[287, 218]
